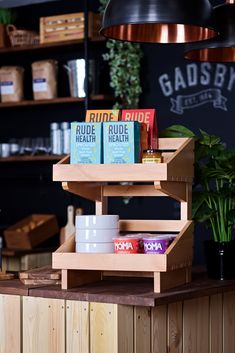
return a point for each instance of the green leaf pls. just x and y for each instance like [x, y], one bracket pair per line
[198, 201]
[231, 217]
[7, 16]
[209, 140]
[177, 131]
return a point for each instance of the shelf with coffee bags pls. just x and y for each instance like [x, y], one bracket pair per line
[97, 182]
[60, 100]
[42, 158]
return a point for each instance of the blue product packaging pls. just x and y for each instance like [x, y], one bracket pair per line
[121, 142]
[86, 143]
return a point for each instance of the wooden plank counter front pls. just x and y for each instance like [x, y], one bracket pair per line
[118, 317]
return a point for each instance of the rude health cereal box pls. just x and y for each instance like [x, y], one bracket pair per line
[86, 143]
[147, 116]
[121, 142]
[97, 116]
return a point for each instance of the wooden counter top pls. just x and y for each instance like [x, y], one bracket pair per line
[13, 287]
[128, 292]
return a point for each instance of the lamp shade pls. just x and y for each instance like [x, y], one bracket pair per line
[158, 21]
[222, 47]
[18, 3]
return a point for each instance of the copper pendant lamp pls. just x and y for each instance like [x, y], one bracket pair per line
[18, 3]
[158, 21]
[221, 48]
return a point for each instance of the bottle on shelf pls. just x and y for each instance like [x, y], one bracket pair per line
[65, 137]
[55, 133]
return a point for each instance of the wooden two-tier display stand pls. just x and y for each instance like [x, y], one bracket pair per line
[171, 178]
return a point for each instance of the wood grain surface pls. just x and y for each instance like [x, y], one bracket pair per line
[43, 325]
[45, 272]
[200, 325]
[124, 291]
[10, 324]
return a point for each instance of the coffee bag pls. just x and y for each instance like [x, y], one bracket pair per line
[11, 80]
[44, 75]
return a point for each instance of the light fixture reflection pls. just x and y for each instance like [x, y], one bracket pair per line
[222, 47]
[158, 21]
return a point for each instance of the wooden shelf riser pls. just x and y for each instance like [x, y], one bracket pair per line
[171, 178]
[162, 281]
[170, 279]
[178, 255]
[95, 191]
[174, 169]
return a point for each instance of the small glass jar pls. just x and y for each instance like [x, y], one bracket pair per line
[152, 156]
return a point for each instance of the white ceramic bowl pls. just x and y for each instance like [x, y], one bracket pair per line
[96, 235]
[97, 222]
[95, 247]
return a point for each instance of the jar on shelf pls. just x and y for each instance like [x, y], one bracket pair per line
[152, 156]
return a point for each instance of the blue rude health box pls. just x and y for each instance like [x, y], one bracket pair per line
[121, 142]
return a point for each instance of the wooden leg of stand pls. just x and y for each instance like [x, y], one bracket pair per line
[101, 207]
[167, 280]
[75, 278]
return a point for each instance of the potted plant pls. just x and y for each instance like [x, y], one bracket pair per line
[7, 16]
[213, 198]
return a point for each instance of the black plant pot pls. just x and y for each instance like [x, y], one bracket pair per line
[220, 259]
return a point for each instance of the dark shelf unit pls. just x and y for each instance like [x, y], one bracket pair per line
[41, 158]
[61, 100]
[45, 46]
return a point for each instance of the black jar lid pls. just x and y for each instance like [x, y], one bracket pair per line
[151, 151]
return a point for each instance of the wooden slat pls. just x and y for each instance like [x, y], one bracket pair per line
[64, 160]
[216, 324]
[125, 329]
[90, 191]
[10, 324]
[137, 225]
[175, 327]
[159, 329]
[182, 162]
[229, 322]
[174, 189]
[112, 262]
[181, 248]
[72, 279]
[45, 272]
[131, 191]
[101, 206]
[169, 143]
[170, 279]
[186, 206]
[142, 332]
[67, 246]
[103, 328]
[110, 172]
[127, 274]
[196, 326]
[34, 260]
[77, 327]
[43, 325]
